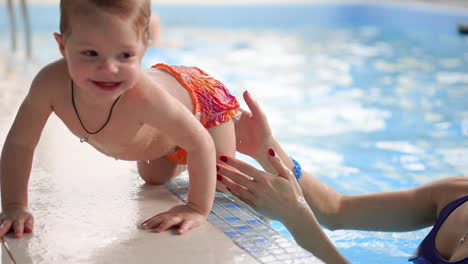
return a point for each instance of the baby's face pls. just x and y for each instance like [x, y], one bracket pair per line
[103, 54]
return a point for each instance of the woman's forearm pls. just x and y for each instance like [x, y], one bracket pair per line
[307, 232]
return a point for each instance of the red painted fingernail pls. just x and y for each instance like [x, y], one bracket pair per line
[217, 168]
[219, 177]
[229, 189]
[223, 158]
[272, 152]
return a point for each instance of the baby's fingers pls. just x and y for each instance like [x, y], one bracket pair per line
[187, 225]
[168, 223]
[152, 222]
[28, 225]
[18, 226]
[5, 227]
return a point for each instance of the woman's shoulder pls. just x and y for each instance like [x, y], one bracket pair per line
[447, 190]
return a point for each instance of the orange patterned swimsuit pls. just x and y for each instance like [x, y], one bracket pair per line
[212, 102]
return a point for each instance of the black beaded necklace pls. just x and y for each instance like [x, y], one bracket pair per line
[85, 138]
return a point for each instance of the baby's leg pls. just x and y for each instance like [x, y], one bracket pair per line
[159, 171]
[224, 137]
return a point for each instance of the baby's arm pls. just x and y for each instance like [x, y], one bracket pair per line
[173, 119]
[224, 138]
[16, 159]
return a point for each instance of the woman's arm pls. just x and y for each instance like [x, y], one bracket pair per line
[279, 197]
[387, 211]
[391, 211]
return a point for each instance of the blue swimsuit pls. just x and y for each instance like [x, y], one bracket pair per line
[427, 252]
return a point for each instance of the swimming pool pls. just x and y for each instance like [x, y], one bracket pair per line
[367, 97]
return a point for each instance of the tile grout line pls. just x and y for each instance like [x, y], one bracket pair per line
[8, 250]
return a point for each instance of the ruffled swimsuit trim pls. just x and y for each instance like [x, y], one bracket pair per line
[212, 102]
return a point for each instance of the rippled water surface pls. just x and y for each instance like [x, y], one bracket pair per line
[368, 98]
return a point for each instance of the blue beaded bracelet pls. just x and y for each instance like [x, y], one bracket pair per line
[296, 169]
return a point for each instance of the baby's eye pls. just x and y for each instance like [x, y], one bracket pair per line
[126, 55]
[89, 53]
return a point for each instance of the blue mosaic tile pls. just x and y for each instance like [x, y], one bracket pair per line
[232, 234]
[243, 227]
[231, 206]
[230, 219]
[248, 229]
[253, 222]
[253, 249]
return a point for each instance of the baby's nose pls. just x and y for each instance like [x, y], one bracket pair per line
[109, 66]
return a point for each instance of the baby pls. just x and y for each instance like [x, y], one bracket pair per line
[163, 117]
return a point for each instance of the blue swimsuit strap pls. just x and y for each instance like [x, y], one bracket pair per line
[427, 250]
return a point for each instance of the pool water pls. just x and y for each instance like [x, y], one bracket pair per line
[368, 98]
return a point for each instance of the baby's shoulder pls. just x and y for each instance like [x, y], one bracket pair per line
[52, 75]
[54, 71]
[49, 80]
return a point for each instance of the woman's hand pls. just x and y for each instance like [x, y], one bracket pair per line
[182, 216]
[16, 218]
[253, 132]
[279, 197]
[275, 196]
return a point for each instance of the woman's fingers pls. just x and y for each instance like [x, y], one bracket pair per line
[279, 166]
[235, 176]
[245, 113]
[243, 167]
[253, 106]
[242, 198]
[240, 188]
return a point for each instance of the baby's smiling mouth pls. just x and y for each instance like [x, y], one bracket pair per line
[108, 86]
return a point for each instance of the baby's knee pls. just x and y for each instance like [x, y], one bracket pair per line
[157, 173]
[151, 177]
[153, 180]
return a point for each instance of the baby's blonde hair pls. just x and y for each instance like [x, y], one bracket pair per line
[137, 10]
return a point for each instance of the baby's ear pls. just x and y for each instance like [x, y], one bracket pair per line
[59, 38]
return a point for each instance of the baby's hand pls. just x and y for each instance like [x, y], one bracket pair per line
[182, 216]
[16, 218]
